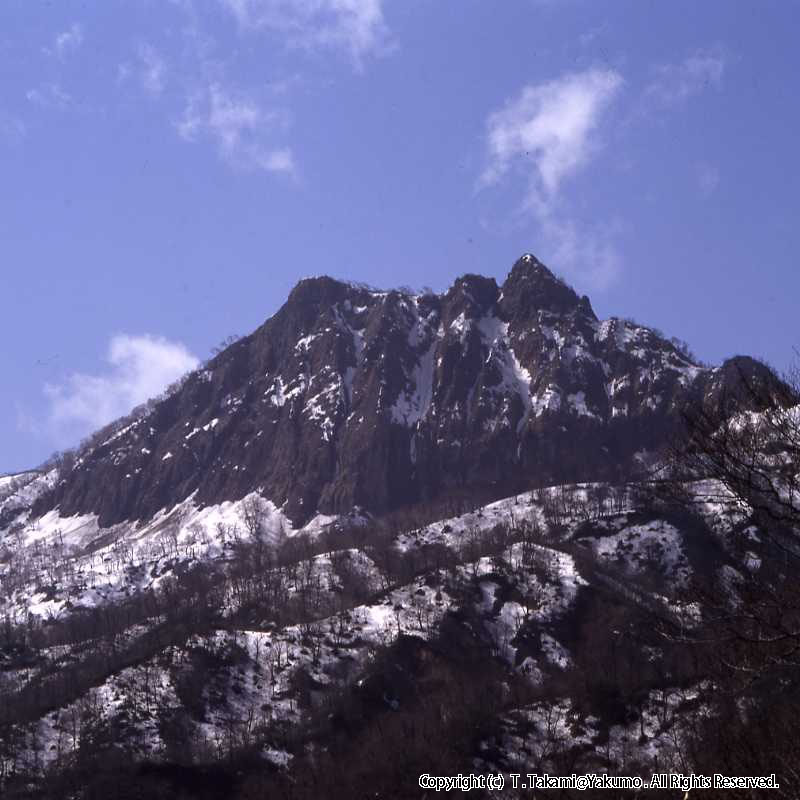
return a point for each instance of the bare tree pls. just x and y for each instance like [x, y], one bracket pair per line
[741, 455]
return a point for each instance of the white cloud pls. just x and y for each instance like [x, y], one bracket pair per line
[673, 84]
[280, 160]
[139, 367]
[355, 26]
[241, 128]
[67, 41]
[546, 129]
[49, 95]
[547, 134]
[153, 69]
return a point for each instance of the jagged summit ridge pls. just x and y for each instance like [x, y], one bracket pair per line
[350, 396]
[530, 284]
[527, 264]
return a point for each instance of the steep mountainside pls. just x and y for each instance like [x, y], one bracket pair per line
[207, 599]
[354, 397]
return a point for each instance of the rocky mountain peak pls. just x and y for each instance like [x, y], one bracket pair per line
[350, 396]
[471, 295]
[215, 552]
[531, 286]
[313, 295]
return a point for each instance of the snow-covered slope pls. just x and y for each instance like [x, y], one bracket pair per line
[337, 513]
[523, 572]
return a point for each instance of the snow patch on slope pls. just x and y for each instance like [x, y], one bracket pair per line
[515, 378]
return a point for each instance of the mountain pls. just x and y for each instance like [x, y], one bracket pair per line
[393, 534]
[351, 397]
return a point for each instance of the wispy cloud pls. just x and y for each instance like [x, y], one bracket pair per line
[587, 252]
[546, 130]
[49, 95]
[357, 27]
[153, 69]
[673, 84]
[148, 67]
[241, 128]
[66, 42]
[547, 134]
[246, 116]
[139, 367]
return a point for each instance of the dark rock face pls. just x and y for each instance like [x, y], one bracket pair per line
[349, 396]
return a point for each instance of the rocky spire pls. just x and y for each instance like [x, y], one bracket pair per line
[531, 286]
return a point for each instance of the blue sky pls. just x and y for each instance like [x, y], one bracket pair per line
[171, 169]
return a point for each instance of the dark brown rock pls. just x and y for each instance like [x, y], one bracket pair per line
[349, 396]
